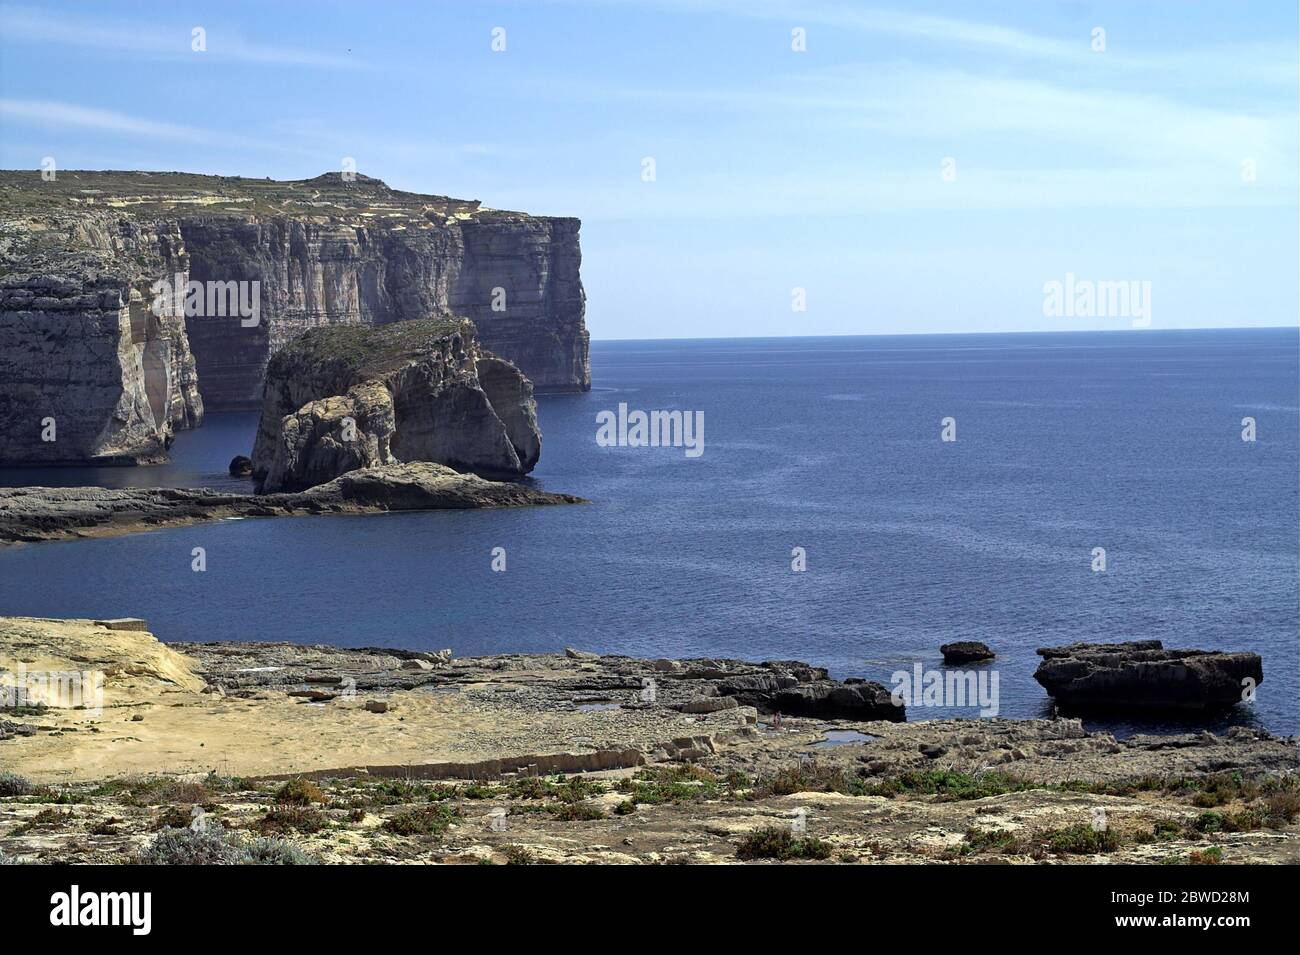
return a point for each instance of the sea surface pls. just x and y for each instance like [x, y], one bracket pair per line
[1128, 441]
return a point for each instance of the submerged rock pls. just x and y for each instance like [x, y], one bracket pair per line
[346, 398]
[1143, 676]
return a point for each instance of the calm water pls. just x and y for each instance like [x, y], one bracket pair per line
[1127, 441]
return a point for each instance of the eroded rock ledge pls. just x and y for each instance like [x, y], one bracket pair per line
[29, 514]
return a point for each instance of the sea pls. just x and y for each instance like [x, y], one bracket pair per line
[852, 502]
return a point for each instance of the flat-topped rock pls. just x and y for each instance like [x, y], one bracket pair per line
[30, 514]
[966, 651]
[1143, 676]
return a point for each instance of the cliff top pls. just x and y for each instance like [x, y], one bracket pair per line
[373, 348]
[24, 191]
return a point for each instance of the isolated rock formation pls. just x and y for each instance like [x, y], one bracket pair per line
[344, 398]
[79, 256]
[1143, 676]
[966, 651]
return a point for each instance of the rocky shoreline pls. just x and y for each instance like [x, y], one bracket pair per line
[32, 514]
[389, 755]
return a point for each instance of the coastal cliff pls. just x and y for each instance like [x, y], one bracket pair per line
[350, 397]
[89, 371]
[84, 339]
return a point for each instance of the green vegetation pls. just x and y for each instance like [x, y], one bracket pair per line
[366, 348]
[518, 855]
[206, 846]
[300, 792]
[771, 842]
[977, 841]
[577, 812]
[676, 784]
[432, 820]
[949, 785]
[211, 845]
[1081, 839]
[291, 819]
[11, 784]
[265, 851]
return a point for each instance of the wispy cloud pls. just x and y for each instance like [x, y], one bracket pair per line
[57, 115]
[141, 39]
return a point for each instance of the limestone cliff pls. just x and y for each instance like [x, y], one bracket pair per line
[322, 251]
[90, 372]
[348, 397]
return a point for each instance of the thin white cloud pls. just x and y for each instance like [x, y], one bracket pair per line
[57, 115]
[1271, 62]
[140, 39]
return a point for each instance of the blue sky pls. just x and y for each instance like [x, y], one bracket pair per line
[775, 169]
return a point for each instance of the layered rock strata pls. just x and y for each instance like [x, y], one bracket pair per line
[324, 251]
[1143, 676]
[338, 399]
[90, 371]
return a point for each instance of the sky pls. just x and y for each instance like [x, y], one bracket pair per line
[917, 167]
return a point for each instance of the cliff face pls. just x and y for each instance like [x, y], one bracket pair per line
[339, 399]
[391, 270]
[90, 372]
[320, 252]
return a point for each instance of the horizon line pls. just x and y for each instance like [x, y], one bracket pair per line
[1060, 331]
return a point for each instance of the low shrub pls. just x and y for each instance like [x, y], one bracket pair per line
[206, 846]
[11, 784]
[771, 842]
[299, 792]
[431, 820]
[264, 851]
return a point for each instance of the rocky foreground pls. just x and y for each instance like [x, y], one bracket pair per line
[261, 752]
[30, 514]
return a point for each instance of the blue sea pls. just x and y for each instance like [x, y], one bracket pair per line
[1128, 441]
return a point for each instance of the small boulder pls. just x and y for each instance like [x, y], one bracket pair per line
[376, 706]
[313, 696]
[966, 651]
[241, 466]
